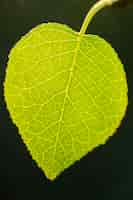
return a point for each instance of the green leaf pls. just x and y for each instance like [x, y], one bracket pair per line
[66, 93]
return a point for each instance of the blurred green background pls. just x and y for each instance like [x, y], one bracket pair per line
[107, 172]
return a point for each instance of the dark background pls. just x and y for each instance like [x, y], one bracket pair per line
[107, 172]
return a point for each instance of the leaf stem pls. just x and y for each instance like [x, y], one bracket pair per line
[92, 12]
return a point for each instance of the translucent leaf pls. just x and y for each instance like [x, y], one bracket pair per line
[66, 93]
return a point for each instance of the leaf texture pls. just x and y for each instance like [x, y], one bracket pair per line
[66, 93]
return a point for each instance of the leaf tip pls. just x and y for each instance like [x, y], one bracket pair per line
[51, 176]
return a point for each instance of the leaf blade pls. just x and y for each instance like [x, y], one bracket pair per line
[68, 101]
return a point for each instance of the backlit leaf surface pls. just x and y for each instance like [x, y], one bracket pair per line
[66, 94]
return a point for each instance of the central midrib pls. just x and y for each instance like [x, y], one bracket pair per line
[67, 90]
